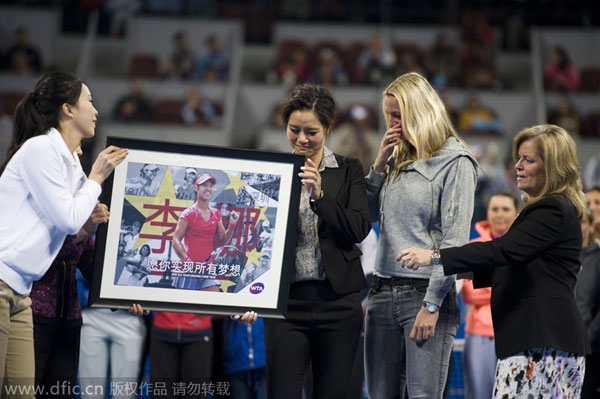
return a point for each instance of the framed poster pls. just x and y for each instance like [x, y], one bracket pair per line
[198, 229]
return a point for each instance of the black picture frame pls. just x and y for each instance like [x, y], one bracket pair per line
[136, 261]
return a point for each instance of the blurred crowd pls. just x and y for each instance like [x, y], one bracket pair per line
[465, 63]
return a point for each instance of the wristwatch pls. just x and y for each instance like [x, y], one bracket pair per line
[435, 257]
[431, 307]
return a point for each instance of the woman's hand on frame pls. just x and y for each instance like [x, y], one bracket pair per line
[247, 318]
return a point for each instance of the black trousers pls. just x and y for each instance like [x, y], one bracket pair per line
[56, 358]
[322, 329]
[186, 365]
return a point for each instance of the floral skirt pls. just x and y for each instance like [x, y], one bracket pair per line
[540, 373]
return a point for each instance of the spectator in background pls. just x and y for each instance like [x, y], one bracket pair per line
[376, 62]
[442, 62]
[330, 71]
[120, 11]
[357, 137]
[213, 64]
[22, 57]
[475, 118]
[479, 357]
[565, 115]
[181, 62]
[587, 293]
[295, 70]
[199, 111]
[559, 72]
[134, 106]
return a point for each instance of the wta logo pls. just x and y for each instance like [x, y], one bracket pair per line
[257, 288]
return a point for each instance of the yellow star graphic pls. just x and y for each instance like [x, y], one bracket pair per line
[225, 284]
[235, 182]
[253, 257]
[164, 208]
[262, 215]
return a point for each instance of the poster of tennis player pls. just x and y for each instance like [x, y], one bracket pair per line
[200, 228]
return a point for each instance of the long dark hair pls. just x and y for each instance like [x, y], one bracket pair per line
[39, 110]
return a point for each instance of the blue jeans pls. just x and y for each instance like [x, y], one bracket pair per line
[394, 363]
[248, 384]
[479, 366]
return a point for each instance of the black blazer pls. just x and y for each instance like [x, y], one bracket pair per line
[343, 221]
[532, 270]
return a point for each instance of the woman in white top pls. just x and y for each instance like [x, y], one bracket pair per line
[44, 196]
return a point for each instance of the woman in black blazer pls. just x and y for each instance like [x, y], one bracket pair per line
[532, 269]
[324, 316]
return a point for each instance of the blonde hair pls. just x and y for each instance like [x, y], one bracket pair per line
[425, 122]
[558, 152]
